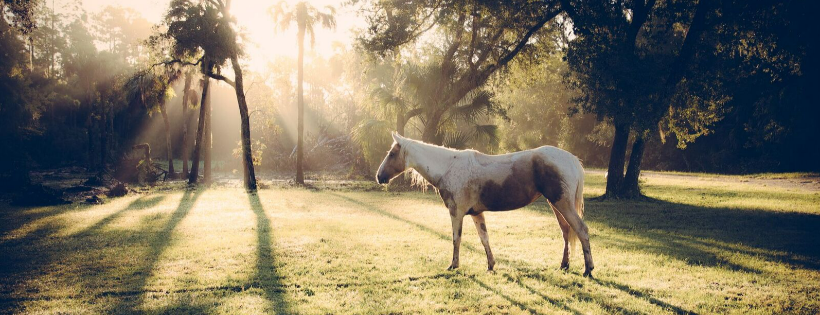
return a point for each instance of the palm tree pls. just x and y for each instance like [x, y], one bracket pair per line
[305, 16]
[409, 91]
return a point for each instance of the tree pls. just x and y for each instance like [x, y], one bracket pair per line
[627, 59]
[203, 35]
[305, 16]
[389, 91]
[642, 63]
[152, 89]
[472, 41]
[204, 105]
[16, 110]
[189, 99]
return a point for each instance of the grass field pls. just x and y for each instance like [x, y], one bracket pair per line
[697, 246]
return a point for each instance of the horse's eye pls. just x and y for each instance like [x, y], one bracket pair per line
[391, 154]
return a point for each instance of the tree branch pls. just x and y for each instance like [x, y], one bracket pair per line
[177, 61]
[413, 113]
[574, 16]
[521, 44]
[471, 80]
[688, 48]
[222, 78]
[639, 17]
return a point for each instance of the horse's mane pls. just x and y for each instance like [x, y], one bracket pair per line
[416, 179]
[419, 142]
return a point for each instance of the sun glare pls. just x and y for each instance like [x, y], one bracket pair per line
[263, 42]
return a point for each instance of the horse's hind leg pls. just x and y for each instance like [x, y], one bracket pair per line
[566, 233]
[478, 219]
[567, 208]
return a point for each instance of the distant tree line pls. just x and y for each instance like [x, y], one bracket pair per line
[709, 85]
[653, 70]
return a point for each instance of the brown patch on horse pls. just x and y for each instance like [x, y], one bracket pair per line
[448, 199]
[484, 227]
[516, 191]
[523, 186]
[547, 180]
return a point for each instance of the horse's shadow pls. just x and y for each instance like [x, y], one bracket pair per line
[684, 232]
[517, 266]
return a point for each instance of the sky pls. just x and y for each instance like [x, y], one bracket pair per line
[265, 43]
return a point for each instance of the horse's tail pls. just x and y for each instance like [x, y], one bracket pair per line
[579, 204]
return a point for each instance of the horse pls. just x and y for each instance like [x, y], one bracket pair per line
[470, 183]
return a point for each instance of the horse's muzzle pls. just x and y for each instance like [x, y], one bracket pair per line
[382, 179]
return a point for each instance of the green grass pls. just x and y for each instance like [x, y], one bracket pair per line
[697, 246]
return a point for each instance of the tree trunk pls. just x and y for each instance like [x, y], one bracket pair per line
[194, 176]
[103, 123]
[168, 152]
[629, 187]
[89, 126]
[400, 122]
[207, 142]
[247, 154]
[30, 53]
[188, 78]
[113, 144]
[615, 171]
[430, 133]
[300, 124]
[146, 151]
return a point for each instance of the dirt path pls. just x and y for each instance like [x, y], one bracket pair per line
[808, 182]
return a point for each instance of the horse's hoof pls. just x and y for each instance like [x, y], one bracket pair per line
[452, 267]
[565, 267]
[588, 274]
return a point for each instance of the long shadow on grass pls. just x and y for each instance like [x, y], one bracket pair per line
[694, 234]
[266, 275]
[135, 287]
[143, 202]
[27, 258]
[516, 265]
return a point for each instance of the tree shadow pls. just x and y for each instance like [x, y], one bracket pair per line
[18, 260]
[688, 233]
[521, 267]
[135, 287]
[266, 277]
[27, 258]
[143, 202]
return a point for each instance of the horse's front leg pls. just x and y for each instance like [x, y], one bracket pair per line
[457, 218]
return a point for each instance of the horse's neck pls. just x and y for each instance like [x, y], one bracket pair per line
[432, 162]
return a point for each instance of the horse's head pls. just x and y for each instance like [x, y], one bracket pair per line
[393, 163]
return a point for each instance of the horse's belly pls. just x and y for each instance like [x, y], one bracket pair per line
[510, 195]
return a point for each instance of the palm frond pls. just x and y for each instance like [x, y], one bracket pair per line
[456, 140]
[364, 132]
[486, 133]
[475, 105]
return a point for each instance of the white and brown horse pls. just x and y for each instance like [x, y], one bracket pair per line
[470, 183]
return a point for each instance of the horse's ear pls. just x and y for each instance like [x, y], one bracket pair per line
[396, 137]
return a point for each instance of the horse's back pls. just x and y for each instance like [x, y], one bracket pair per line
[513, 180]
[566, 162]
